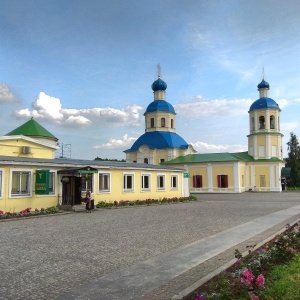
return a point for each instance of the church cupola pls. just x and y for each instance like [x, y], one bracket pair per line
[265, 139]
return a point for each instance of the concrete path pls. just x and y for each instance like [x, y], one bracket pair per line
[137, 280]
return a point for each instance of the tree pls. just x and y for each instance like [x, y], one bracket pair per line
[293, 160]
[109, 159]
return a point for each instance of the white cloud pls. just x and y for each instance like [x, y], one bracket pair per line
[198, 106]
[289, 126]
[125, 142]
[50, 108]
[202, 147]
[6, 95]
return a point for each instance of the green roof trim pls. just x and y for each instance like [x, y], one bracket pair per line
[32, 129]
[218, 157]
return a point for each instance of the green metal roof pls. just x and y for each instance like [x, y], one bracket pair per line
[217, 157]
[32, 129]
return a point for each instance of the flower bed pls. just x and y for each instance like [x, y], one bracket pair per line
[27, 212]
[121, 203]
[247, 278]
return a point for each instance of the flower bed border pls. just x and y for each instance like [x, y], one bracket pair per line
[190, 291]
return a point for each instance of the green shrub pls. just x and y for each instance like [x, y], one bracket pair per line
[52, 210]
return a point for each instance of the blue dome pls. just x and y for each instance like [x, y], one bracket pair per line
[263, 103]
[160, 105]
[159, 140]
[159, 85]
[263, 84]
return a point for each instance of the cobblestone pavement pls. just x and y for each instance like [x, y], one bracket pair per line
[45, 257]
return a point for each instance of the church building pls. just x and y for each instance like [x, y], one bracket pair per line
[160, 142]
[258, 169]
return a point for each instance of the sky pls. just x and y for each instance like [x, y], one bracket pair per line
[83, 69]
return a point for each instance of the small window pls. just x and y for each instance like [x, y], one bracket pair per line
[222, 181]
[146, 160]
[128, 181]
[261, 122]
[160, 182]
[21, 183]
[272, 122]
[52, 183]
[145, 182]
[252, 124]
[162, 160]
[174, 182]
[87, 183]
[172, 123]
[104, 182]
[197, 181]
[163, 122]
[152, 122]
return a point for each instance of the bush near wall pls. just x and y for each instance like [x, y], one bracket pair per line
[121, 203]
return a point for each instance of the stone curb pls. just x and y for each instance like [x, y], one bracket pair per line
[187, 292]
[34, 217]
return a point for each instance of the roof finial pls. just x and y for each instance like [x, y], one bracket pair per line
[158, 71]
[263, 73]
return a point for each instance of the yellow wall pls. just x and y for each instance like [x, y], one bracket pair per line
[117, 192]
[14, 148]
[18, 203]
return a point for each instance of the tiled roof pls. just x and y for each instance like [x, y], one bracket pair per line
[33, 129]
[217, 157]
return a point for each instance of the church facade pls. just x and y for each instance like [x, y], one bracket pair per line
[258, 169]
[160, 142]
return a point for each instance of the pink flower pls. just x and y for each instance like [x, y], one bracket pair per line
[291, 249]
[254, 297]
[248, 277]
[260, 280]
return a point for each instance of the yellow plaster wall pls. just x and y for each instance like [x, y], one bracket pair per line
[14, 148]
[16, 204]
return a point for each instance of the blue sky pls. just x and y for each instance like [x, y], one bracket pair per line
[84, 68]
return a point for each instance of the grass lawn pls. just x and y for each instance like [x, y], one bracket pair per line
[283, 282]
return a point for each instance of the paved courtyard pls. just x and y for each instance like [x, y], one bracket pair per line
[49, 257]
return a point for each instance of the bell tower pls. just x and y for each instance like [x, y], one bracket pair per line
[265, 139]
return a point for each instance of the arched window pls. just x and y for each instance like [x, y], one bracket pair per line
[163, 122]
[172, 123]
[272, 122]
[261, 122]
[252, 124]
[152, 122]
[146, 160]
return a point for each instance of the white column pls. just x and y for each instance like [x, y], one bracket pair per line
[209, 178]
[236, 175]
[268, 146]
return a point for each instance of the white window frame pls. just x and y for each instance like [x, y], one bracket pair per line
[108, 190]
[158, 186]
[92, 187]
[144, 189]
[30, 171]
[174, 176]
[125, 182]
[1, 183]
[54, 174]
